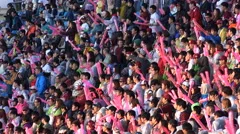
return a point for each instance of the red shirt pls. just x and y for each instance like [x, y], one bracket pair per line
[196, 14]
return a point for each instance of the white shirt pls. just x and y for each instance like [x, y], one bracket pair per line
[190, 64]
[153, 20]
[46, 68]
[146, 128]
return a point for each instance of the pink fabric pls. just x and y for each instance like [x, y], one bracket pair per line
[145, 49]
[103, 38]
[139, 23]
[231, 122]
[203, 77]
[55, 30]
[208, 77]
[140, 18]
[209, 125]
[99, 68]
[28, 130]
[161, 25]
[94, 21]
[199, 122]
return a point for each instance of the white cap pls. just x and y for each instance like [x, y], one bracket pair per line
[185, 83]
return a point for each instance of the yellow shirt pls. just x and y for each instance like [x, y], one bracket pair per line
[99, 6]
[223, 34]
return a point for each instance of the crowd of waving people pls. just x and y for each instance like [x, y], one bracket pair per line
[120, 67]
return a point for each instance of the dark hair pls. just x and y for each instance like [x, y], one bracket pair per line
[153, 7]
[227, 90]
[181, 103]
[173, 123]
[88, 102]
[145, 115]
[130, 93]
[224, 4]
[213, 92]
[136, 28]
[157, 117]
[187, 126]
[219, 113]
[121, 112]
[131, 113]
[46, 118]
[233, 30]
[197, 109]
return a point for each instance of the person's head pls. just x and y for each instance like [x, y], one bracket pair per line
[13, 114]
[231, 32]
[75, 106]
[154, 68]
[37, 102]
[14, 13]
[10, 5]
[130, 95]
[20, 98]
[171, 19]
[224, 6]
[38, 70]
[213, 95]
[123, 1]
[59, 121]
[154, 102]
[145, 117]
[88, 104]
[197, 110]
[155, 119]
[186, 127]
[237, 9]
[192, 5]
[214, 30]
[226, 103]
[218, 114]
[144, 7]
[120, 114]
[208, 17]
[226, 91]
[180, 104]
[165, 84]
[86, 76]
[210, 109]
[111, 110]
[96, 108]
[130, 3]
[153, 9]
[75, 125]
[131, 114]
[45, 119]
[135, 30]
[172, 124]
[154, 84]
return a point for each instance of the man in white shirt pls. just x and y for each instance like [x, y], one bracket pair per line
[146, 127]
[45, 66]
[153, 19]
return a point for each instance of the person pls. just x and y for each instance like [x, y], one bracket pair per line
[41, 82]
[153, 20]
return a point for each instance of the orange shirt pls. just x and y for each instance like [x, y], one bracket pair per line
[31, 30]
[233, 25]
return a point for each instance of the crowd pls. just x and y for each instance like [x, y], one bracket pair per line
[120, 67]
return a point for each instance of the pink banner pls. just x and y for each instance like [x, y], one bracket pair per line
[145, 21]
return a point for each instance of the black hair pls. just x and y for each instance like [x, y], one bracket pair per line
[227, 90]
[131, 113]
[181, 103]
[145, 115]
